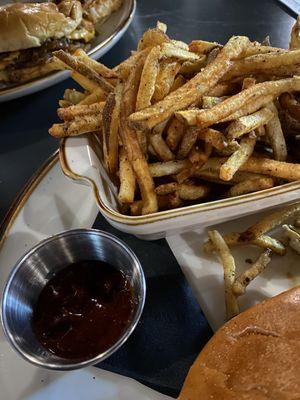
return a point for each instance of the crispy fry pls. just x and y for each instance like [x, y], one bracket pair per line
[249, 108]
[187, 142]
[295, 37]
[228, 263]
[192, 192]
[95, 65]
[127, 179]
[288, 102]
[68, 114]
[165, 79]
[264, 242]
[270, 222]
[275, 135]
[86, 83]
[166, 188]
[242, 281]
[84, 70]
[130, 141]
[153, 37]
[178, 82]
[168, 168]
[206, 118]
[110, 118]
[250, 186]
[238, 158]
[223, 89]
[192, 91]
[74, 96]
[249, 123]
[203, 47]
[97, 95]
[214, 137]
[163, 27]
[148, 78]
[193, 67]
[123, 70]
[181, 44]
[78, 126]
[211, 101]
[159, 145]
[172, 51]
[175, 132]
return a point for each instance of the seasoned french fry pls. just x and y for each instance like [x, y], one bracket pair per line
[178, 82]
[110, 120]
[193, 67]
[270, 222]
[78, 126]
[223, 89]
[203, 47]
[192, 91]
[168, 168]
[275, 135]
[69, 113]
[288, 102]
[172, 51]
[123, 70]
[95, 65]
[249, 123]
[148, 78]
[153, 37]
[238, 158]
[211, 101]
[263, 241]
[127, 179]
[163, 27]
[192, 192]
[181, 44]
[165, 79]
[97, 95]
[130, 141]
[214, 137]
[228, 263]
[74, 96]
[166, 188]
[175, 132]
[187, 142]
[64, 103]
[84, 70]
[86, 83]
[242, 281]
[217, 113]
[159, 145]
[295, 37]
[250, 186]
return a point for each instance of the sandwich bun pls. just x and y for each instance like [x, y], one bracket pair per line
[255, 356]
[24, 26]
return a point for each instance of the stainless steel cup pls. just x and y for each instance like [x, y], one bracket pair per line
[37, 267]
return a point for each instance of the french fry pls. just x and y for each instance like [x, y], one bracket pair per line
[238, 158]
[263, 241]
[211, 101]
[123, 70]
[203, 47]
[166, 188]
[250, 186]
[64, 103]
[148, 78]
[84, 70]
[288, 102]
[165, 79]
[127, 179]
[275, 134]
[86, 83]
[95, 65]
[214, 137]
[188, 140]
[96, 95]
[295, 38]
[78, 126]
[153, 37]
[270, 222]
[192, 91]
[223, 89]
[69, 113]
[168, 168]
[217, 113]
[161, 26]
[193, 67]
[130, 141]
[192, 192]
[181, 44]
[242, 281]
[178, 82]
[249, 123]
[169, 201]
[159, 145]
[172, 51]
[228, 263]
[74, 96]
[175, 132]
[110, 120]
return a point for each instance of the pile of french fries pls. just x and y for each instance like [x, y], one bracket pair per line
[180, 123]
[257, 235]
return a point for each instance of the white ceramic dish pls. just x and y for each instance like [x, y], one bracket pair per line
[80, 159]
[110, 32]
[49, 204]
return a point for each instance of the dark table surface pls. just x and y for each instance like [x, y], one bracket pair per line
[24, 122]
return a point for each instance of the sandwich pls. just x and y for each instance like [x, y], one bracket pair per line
[255, 356]
[30, 32]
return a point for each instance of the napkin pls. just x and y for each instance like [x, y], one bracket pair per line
[172, 329]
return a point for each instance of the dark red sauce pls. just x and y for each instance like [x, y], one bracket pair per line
[83, 310]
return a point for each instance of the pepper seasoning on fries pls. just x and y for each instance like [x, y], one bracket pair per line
[186, 123]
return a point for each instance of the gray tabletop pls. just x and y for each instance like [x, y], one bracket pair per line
[25, 143]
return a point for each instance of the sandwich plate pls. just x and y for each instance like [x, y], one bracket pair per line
[110, 33]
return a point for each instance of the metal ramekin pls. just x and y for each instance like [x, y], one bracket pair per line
[37, 267]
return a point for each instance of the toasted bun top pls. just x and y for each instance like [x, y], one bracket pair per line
[28, 25]
[255, 356]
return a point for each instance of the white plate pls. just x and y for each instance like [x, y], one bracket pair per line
[110, 32]
[50, 204]
[205, 273]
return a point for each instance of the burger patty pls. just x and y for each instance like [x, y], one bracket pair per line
[39, 55]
